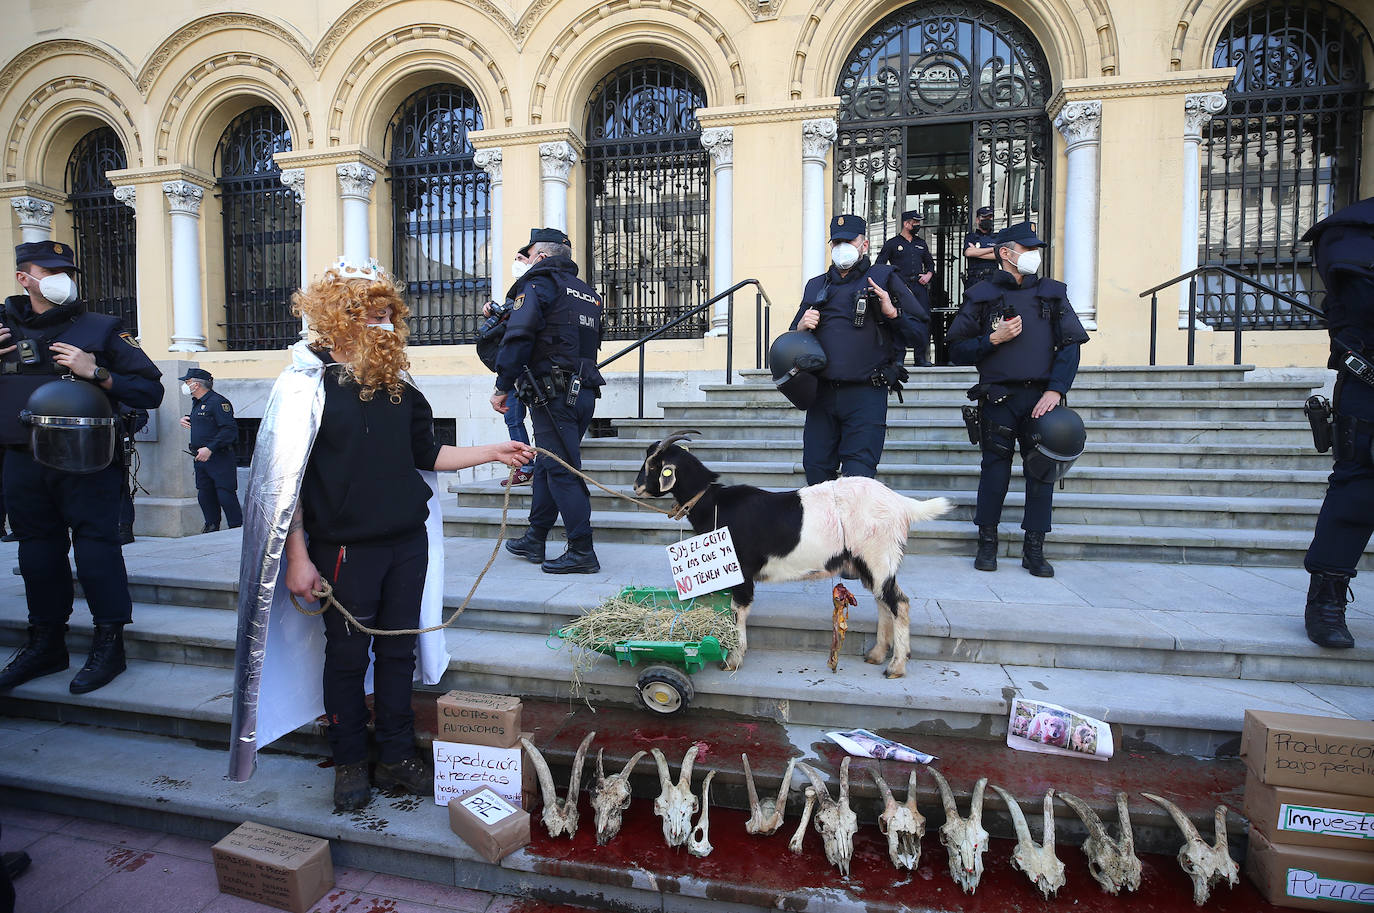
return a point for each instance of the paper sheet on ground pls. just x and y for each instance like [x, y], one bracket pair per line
[864, 744]
[1051, 729]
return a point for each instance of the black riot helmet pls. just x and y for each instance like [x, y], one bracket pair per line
[71, 426]
[1057, 439]
[795, 358]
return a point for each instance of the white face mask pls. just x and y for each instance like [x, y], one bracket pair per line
[1028, 264]
[185, 388]
[57, 288]
[389, 327]
[518, 268]
[844, 255]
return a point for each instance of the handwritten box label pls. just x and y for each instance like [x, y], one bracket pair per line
[704, 564]
[460, 768]
[488, 807]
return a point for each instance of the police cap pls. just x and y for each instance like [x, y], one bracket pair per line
[847, 228]
[47, 254]
[984, 211]
[197, 374]
[1022, 233]
[553, 235]
[912, 214]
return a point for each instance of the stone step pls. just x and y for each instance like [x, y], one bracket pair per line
[1257, 411]
[1159, 374]
[922, 389]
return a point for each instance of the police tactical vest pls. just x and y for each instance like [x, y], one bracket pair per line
[1048, 324]
[853, 353]
[571, 333]
[1343, 245]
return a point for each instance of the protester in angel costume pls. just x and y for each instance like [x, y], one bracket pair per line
[342, 491]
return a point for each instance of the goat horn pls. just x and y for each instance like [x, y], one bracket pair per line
[1018, 819]
[844, 782]
[888, 800]
[1123, 818]
[575, 782]
[749, 784]
[1220, 827]
[629, 765]
[1190, 833]
[815, 778]
[662, 763]
[685, 774]
[975, 809]
[786, 786]
[600, 768]
[541, 768]
[911, 791]
[672, 439]
[1089, 817]
[946, 795]
[1048, 815]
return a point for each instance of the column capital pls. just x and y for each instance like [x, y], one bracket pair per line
[1080, 122]
[128, 195]
[556, 160]
[818, 136]
[489, 160]
[33, 213]
[356, 180]
[720, 142]
[1198, 110]
[184, 197]
[294, 178]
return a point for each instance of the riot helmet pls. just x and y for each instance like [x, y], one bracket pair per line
[795, 358]
[1056, 439]
[71, 426]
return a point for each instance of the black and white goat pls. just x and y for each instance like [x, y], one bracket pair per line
[852, 524]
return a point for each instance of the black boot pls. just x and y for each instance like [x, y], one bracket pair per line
[106, 660]
[44, 654]
[126, 534]
[1033, 555]
[1325, 615]
[352, 789]
[986, 559]
[209, 528]
[529, 546]
[578, 559]
[15, 864]
[414, 775]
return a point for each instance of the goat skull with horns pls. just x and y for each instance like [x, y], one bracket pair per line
[1038, 861]
[560, 816]
[835, 821]
[964, 838]
[610, 797]
[902, 824]
[1208, 866]
[676, 804]
[765, 817]
[1112, 863]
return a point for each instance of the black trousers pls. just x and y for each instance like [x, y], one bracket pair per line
[381, 585]
[217, 485]
[559, 428]
[1346, 518]
[53, 513]
[846, 428]
[1013, 413]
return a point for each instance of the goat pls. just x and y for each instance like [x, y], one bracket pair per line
[852, 524]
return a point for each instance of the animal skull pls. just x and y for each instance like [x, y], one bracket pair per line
[835, 821]
[903, 824]
[610, 798]
[766, 817]
[676, 804]
[795, 844]
[1112, 863]
[1207, 865]
[964, 838]
[1039, 862]
[560, 816]
[699, 844]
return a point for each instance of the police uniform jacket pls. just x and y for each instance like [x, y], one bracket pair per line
[911, 259]
[213, 424]
[853, 354]
[134, 380]
[555, 321]
[978, 268]
[1046, 351]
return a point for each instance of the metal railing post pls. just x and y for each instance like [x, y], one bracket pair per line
[1154, 326]
[767, 332]
[730, 339]
[641, 381]
[1192, 317]
[1235, 357]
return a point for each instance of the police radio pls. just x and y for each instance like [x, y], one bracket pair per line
[861, 301]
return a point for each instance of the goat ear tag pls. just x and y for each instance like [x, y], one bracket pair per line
[666, 478]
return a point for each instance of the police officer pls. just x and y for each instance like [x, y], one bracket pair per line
[548, 356]
[978, 255]
[48, 333]
[515, 411]
[1343, 245]
[864, 317]
[1024, 336]
[214, 435]
[910, 255]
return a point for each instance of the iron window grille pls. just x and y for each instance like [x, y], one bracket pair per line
[106, 241]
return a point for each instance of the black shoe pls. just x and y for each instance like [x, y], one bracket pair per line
[986, 560]
[15, 864]
[209, 528]
[352, 790]
[578, 559]
[529, 546]
[414, 775]
[105, 662]
[44, 654]
[126, 534]
[1033, 555]
[10, 536]
[1325, 615]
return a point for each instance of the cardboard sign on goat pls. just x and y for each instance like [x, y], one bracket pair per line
[275, 867]
[488, 823]
[479, 719]
[1327, 754]
[704, 564]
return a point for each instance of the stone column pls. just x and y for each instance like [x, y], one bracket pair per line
[489, 160]
[1198, 110]
[556, 161]
[1080, 123]
[720, 142]
[128, 195]
[355, 189]
[294, 178]
[817, 138]
[188, 332]
[35, 218]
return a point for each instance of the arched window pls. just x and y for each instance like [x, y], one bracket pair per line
[441, 208]
[262, 233]
[648, 196]
[1284, 153]
[106, 248]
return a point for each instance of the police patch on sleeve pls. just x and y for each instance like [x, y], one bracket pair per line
[129, 338]
[226, 407]
[519, 300]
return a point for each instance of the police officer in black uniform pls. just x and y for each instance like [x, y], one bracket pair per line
[47, 333]
[1024, 336]
[548, 356]
[214, 435]
[981, 261]
[908, 252]
[1343, 245]
[864, 317]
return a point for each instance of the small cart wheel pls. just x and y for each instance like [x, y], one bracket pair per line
[664, 689]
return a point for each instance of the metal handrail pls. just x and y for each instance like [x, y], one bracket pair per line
[762, 312]
[1191, 276]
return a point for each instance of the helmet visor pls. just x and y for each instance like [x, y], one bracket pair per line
[80, 445]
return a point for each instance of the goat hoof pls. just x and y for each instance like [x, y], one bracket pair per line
[875, 658]
[894, 673]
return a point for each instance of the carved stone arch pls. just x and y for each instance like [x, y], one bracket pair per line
[1079, 40]
[390, 68]
[48, 124]
[215, 25]
[191, 123]
[617, 32]
[1201, 23]
[30, 58]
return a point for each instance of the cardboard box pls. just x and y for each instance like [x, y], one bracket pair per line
[1320, 753]
[489, 824]
[274, 867]
[1310, 878]
[472, 718]
[1302, 817]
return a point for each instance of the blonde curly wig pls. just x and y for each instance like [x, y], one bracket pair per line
[337, 309]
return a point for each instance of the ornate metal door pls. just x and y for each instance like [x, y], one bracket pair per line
[262, 233]
[106, 248]
[441, 213]
[1284, 154]
[648, 185]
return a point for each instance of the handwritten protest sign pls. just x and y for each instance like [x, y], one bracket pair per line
[704, 564]
[460, 768]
